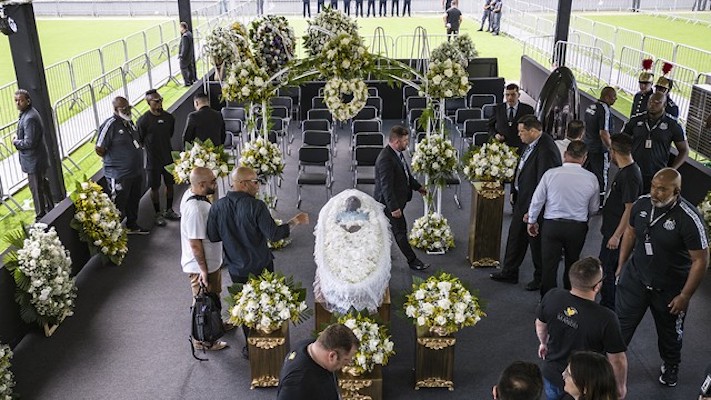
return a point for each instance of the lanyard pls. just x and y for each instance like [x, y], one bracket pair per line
[653, 220]
[649, 130]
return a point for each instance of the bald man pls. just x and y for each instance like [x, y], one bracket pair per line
[663, 257]
[244, 225]
[652, 134]
[201, 259]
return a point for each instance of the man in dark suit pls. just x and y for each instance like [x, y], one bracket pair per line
[186, 55]
[503, 125]
[204, 123]
[539, 155]
[394, 185]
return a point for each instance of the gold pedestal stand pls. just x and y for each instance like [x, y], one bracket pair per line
[366, 386]
[323, 317]
[434, 359]
[266, 355]
[487, 216]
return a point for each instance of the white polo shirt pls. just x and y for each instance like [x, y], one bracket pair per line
[193, 225]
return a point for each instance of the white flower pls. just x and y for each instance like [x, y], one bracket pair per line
[448, 72]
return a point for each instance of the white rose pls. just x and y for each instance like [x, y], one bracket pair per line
[448, 72]
[199, 162]
[448, 93]
[436, 79]
[440, 320]
[258, 81]
[421, 321]
[345, 64]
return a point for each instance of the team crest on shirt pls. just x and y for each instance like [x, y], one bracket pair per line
[570, 311]
[643, 214]
[663, 126]
[292, 355]
[640, 123]
[669, 224]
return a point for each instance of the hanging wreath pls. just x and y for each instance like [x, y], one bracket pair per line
[336, 88]
[273, 41]
[327, 24]
[346, 57]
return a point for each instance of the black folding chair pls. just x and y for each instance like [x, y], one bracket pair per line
[314, 169]
[364, 164]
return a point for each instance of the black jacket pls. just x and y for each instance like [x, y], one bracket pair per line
[392, 187]
[543, 157]
[499, 123]
[30, 142]
[204, 124]
[185, 52]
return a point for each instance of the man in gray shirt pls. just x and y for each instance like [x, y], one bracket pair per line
[29, 143]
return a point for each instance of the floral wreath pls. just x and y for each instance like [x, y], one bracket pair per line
[448, 51]
[198, 154]
[333, 96]
[246, 82]
[431, 232]
[99, 222]
[466, 47]
[435, 156]
[447, 79]
[324, 26]
[442, 301]
[375, 347]
[41, 267]
[492, 162]
[345, 56]
[227, 45]
[7, 378]
[273, 41]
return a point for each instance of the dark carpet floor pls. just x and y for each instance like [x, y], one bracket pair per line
[128, 338]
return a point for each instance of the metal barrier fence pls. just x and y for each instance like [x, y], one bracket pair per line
[585, 61]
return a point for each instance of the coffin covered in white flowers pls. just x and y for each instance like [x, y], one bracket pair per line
[352, 253]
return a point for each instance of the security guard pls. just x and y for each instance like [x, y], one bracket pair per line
[639, 103]
[663, 258]
[664, 85]
[652, 134]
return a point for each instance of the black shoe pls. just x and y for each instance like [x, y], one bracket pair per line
[418, 265]
[669, 374]
[501, 277]
[533, 286]
[245, 352]
[137, 230]
[480, 29]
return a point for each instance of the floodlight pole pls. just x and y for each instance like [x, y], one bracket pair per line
[562, 26]
[29, 70]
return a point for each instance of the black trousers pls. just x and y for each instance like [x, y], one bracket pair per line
[127, 192]
[399, 228]
[632, 300]
[599, 164]
[307, 8]
[517, 243]
[187, 69]
[383, 8]
[359, 6]
[406, 5]
[566, 237]
[608, 258]
[371, 4]
[395, 8]
[319, 6]
[41, 194]
[347, 7]
[244, 279]
[334, 4]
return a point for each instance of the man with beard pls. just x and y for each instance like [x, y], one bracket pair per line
[201, 259]
[663, 258]
[652, 135]
[119, 148]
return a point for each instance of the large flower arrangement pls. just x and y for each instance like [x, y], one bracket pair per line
[328, 23]
[492, 162]
[431, 232]
[345, 56]
[266, 301]
[224, 46]
[263, 156]
[442, 302]
[274, 42]
[41, 267]
[279, 244]
[334, 91]
[198, 154]
[448, 51]
[99, 222]
[7, 379]
[245, 81]
[466, 46]
[705, 210]
[435, 156]
[375, 348]
[447, 79]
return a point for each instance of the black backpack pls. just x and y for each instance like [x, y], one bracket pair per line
[206, 319]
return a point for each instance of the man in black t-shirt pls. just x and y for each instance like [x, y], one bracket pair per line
[652, 134]
[598, 128]
[453, 20]
[663, 258]
[570, 321]
[155, 129]
[309, 370]
[625, 188]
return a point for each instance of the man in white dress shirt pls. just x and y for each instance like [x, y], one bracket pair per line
[574, 131]
[570, 194]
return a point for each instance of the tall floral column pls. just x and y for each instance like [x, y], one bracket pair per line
[266, 304]
[439, 307]
[487, 168]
